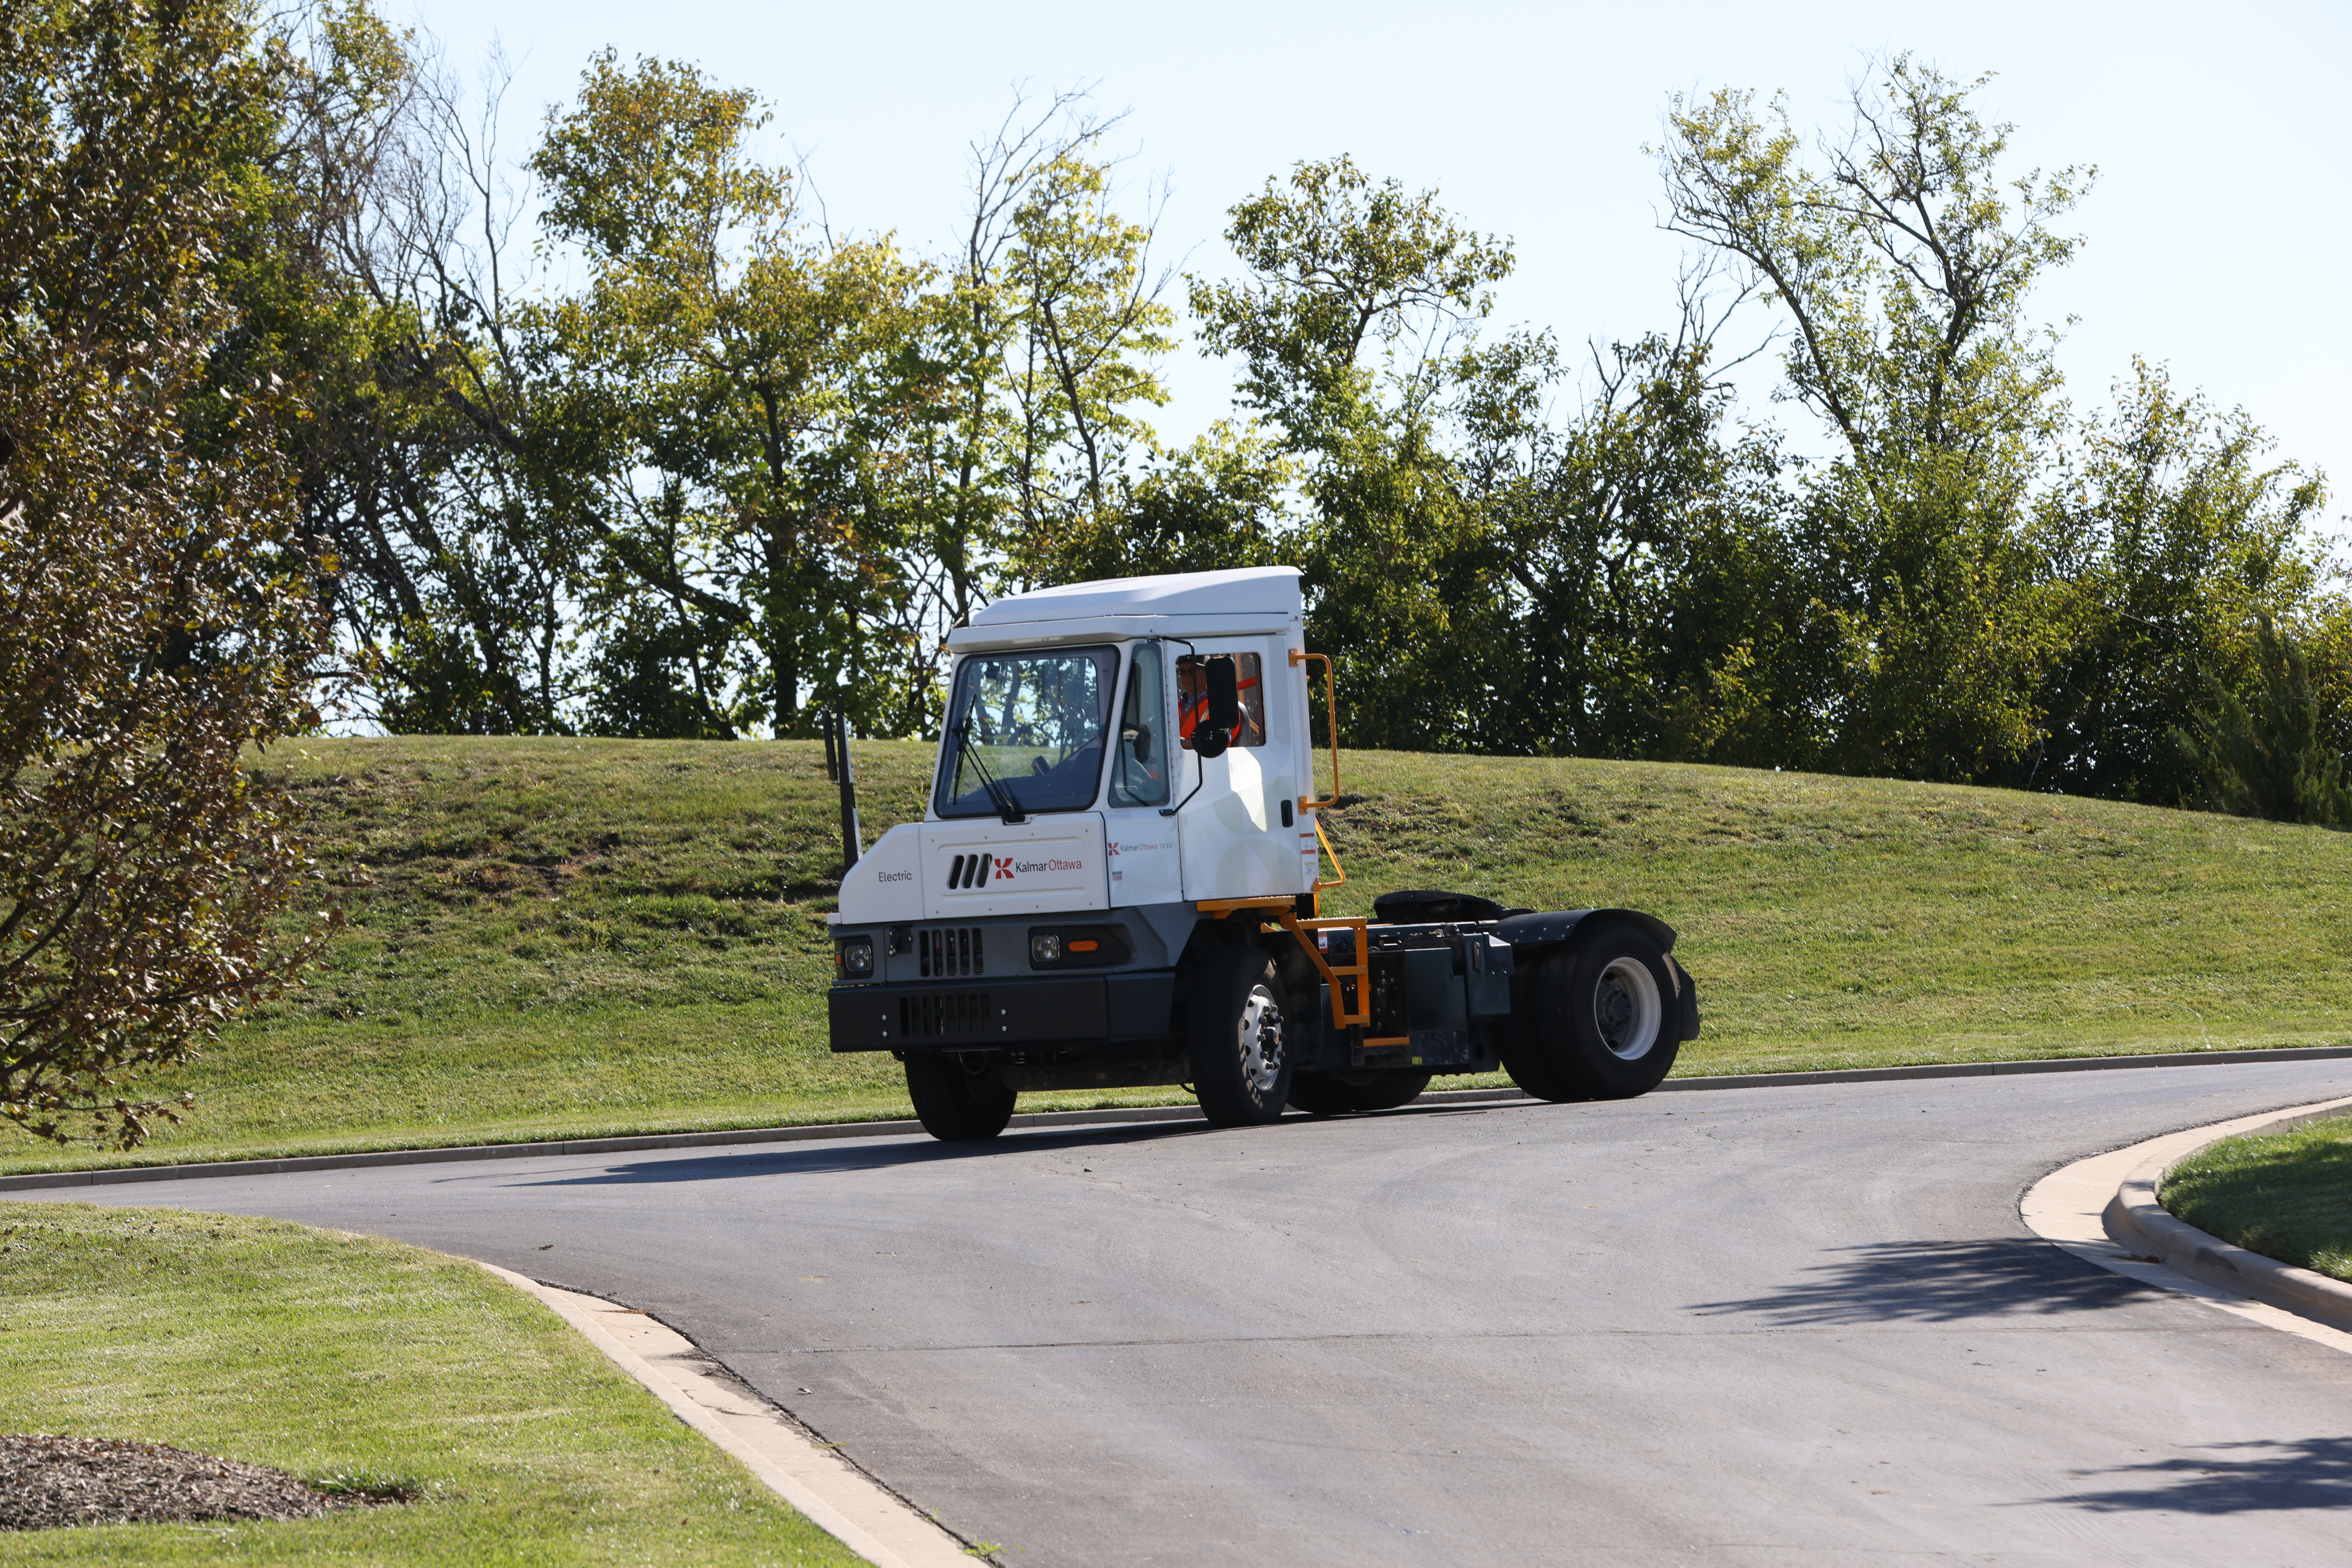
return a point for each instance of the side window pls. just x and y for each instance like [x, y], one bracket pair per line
[1138, 774]
[1193, 693]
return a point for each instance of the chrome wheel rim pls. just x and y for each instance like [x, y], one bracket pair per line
[1626, 1009]
[1261, 1039]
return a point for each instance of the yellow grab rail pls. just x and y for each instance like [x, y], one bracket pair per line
[1331, 707]
[1319, 884]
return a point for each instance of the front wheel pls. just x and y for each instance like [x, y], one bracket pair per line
[1241, 1063]
[1604, 1019]
[1336, 1094]
[956, 1106]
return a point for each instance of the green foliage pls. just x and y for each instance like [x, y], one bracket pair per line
[1393, 560]
[354, 1359]
[156, 614]
[765, 390]
[1079, 294]
[1904, 263]
[2270, 756]
[1335, 262]
[414, 441]
[1650, 598]
[1048, 470]
[1218, 503]
[746, 467]
[2287, 1196]
[2170, 545]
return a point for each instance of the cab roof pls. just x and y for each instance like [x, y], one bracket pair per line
[1205, 603]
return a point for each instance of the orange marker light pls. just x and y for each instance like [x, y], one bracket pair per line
[1084, 946]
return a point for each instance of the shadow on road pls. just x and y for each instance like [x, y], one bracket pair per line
[830, 1158]
[2312, 1472]
[1939, 1282]
[826, 1157]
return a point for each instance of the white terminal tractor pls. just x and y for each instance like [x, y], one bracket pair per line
[1118, 883]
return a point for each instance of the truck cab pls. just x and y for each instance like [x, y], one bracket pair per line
[1117, 882]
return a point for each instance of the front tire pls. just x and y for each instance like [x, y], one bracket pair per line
[1604, 1023]
[956, 1106]
[1334, 1094]
[1235, 1035]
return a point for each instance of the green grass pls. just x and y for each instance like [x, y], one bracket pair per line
[572, 938]
[2287, 1196]
[344, 1357]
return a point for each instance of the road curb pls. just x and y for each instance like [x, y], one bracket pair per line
[842, 1501]
[2135, 1220]
[110, 1175]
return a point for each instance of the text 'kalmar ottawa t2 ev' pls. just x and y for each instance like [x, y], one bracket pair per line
[1118, 883]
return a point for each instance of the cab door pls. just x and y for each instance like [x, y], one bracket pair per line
[1240, 831]
[1146, 778]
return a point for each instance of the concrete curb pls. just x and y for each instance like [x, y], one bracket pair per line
[842, 1502]
[2135, 1220]
[108, 1176]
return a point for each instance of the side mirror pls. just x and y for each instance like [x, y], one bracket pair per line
[1138, 741]
[1225, 695]
[1208, 741]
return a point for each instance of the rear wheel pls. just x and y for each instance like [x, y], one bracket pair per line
[956, 1106]
[1603, 1023]
[1240, 1066]
[1334, 1094]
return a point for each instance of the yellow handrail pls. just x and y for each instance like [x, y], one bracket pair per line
[1319, 884]
[1331, 707]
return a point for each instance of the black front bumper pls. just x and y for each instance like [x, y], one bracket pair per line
[982, 1014]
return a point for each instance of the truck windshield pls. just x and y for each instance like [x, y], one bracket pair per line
[1032, 721]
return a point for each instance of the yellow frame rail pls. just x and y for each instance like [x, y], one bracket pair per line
[1283, 911]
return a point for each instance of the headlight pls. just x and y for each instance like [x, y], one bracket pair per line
[1044, 949]
[853, 959]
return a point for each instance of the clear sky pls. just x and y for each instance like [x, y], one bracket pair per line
[2222, 210]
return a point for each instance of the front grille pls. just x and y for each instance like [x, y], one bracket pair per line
[956, 1015]
[943, 951]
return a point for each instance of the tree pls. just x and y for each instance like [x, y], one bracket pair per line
[1055, 331]
[1078, 285]
[156, 614]
[1396, 567]
[1905, 261]
[771, 393]
[2170, 545]
[417, 446]
[1654, 609]
[2269, 756]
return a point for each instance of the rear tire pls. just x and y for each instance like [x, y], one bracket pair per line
[1604, 1019]
[1332, 1094]
[956, 1106]
[1235, 1037]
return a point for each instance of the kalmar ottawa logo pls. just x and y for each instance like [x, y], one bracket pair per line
[1003, 868]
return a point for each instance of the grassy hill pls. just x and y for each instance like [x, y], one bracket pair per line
[571, 938]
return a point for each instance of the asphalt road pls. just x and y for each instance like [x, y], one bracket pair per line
[1759, 1326]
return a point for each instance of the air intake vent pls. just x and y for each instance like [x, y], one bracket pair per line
[965, 1016]
[943, 951]
[967, 871]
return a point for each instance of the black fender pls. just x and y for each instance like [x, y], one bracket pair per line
[1549, 928]
[1529, 934]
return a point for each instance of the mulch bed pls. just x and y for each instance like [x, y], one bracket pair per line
[49, 1482]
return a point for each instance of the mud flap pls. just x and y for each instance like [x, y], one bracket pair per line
[1689, 989]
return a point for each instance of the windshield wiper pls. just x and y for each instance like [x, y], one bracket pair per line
[999, 795]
